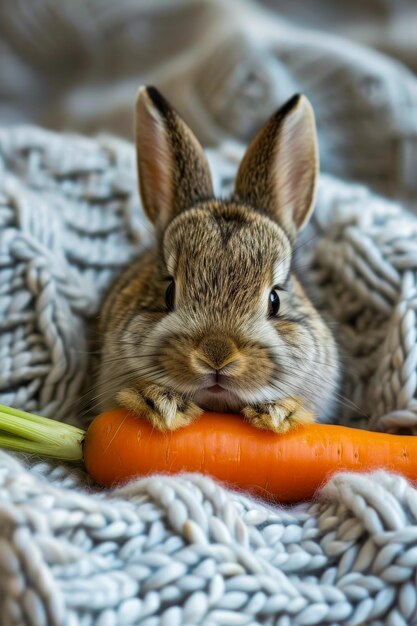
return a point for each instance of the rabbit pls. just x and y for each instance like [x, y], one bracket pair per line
[212, 316]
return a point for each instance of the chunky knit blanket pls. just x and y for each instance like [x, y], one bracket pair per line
[185, 550]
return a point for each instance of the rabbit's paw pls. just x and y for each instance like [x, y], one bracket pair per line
[280, 416]
[164, 408]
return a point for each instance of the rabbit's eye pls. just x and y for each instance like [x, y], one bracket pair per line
[170, 296]
[274, 303]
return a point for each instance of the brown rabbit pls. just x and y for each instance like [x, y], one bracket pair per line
[212, 317]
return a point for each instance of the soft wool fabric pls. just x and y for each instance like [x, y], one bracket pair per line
[185, 551]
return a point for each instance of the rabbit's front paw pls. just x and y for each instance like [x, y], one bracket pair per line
[164, 408]
[280, 416]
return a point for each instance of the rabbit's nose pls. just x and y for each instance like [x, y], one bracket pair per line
[214, 353]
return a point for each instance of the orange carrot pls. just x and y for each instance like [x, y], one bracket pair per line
[289, 468]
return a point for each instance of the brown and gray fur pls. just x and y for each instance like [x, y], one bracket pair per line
[224, 257]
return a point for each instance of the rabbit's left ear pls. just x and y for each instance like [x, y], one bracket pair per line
[173, 169]
[279, 171]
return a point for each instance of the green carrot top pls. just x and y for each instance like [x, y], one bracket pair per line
[26, 432]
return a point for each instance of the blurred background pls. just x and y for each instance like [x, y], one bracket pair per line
[226, 65]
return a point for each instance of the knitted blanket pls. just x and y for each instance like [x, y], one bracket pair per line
[185, 550]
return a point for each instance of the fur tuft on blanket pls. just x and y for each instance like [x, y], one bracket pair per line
[166, 551]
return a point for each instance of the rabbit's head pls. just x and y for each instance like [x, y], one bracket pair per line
[219, 315]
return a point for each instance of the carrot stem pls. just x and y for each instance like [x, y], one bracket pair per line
[27, 432]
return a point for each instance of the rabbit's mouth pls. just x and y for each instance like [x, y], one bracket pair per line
[215, 382]
[215, 397]
[216, 389]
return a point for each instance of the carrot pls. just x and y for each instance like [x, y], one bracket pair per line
[119, 446]
[288, 468]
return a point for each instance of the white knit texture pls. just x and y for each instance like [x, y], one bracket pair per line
[185, 551]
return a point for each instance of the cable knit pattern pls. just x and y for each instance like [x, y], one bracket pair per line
[183, 551]
[186, 551]
[69, 219]
[363, 265]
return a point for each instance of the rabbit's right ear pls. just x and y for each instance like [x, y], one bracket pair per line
[172, 167]
[278, 174]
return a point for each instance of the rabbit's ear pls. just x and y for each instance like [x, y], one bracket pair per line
[172, 167]
[278, 173]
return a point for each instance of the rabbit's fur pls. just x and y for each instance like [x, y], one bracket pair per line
[163, 350]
